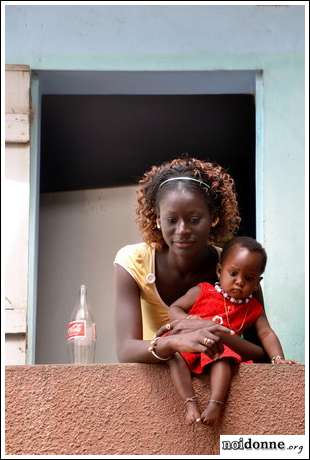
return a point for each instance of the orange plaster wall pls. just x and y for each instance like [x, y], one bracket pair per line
[133, 409]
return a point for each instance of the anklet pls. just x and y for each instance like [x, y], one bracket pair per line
[216, 401]
[192, 399]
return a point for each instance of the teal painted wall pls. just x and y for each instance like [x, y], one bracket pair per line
[270, 38]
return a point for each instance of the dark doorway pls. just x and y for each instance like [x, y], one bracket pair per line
[95, 141]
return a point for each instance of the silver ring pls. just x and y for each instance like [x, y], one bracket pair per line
[206, 341]
[168, 326]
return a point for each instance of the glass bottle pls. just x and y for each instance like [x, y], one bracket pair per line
[81, 332]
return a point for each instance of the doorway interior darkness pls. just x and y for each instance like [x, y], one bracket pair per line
[106, 140]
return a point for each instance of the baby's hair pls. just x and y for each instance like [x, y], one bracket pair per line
[220, 196]
[245, 242]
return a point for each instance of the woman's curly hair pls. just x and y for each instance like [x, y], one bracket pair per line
[220, 197]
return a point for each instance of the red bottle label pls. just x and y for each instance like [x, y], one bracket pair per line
[76, 329]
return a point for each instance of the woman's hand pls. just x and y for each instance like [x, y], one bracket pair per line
[202, 340]
[188, 324]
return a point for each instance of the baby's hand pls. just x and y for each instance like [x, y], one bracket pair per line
[287, 361]
[280, 360]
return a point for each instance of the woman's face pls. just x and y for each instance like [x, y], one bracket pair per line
[184, 219]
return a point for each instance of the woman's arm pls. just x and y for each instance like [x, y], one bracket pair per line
[183, 327]
[130, 345]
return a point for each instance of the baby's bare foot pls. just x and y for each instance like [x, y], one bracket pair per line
[212, 412]
[192, 411]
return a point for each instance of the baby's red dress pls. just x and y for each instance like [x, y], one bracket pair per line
[210, 305]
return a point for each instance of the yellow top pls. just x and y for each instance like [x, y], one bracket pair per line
[139, 261]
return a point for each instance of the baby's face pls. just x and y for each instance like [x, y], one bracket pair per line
[240, 273]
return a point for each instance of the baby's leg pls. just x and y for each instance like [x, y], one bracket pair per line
[220, 378]
[182, 380]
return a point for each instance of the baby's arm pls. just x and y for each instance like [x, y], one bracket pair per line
[270, 341]
[179, 309]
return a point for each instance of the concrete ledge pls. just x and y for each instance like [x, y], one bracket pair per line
[133, 409]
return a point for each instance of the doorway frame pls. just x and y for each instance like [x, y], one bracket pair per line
[42, 84]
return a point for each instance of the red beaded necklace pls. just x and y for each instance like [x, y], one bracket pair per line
[219, 288]
[225, 295]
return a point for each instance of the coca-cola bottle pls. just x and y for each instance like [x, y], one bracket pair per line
[81, 332]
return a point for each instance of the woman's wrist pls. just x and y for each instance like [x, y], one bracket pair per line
[162, 348]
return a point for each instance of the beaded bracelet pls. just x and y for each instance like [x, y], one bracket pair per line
[151, 349]
[276, 359]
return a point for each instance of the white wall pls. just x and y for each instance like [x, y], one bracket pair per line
[80, 233]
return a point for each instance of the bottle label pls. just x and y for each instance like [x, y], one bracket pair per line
[76, 329]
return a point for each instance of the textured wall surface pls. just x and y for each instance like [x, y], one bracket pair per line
[133, 409]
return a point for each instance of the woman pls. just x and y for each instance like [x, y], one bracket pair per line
[185, 207]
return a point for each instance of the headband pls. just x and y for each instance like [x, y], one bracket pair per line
[200, 182]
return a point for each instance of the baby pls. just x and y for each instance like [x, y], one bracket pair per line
[230, 303]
